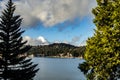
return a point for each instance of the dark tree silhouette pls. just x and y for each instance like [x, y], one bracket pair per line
[13, 62]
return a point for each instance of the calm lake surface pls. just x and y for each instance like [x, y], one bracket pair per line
[58, 69]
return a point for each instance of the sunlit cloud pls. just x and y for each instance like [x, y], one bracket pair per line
[38, 41]
[51, 12]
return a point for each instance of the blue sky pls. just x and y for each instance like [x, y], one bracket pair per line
[49, 21]
[76, 33]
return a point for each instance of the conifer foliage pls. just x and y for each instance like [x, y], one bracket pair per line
[103, 49]
[13, 63]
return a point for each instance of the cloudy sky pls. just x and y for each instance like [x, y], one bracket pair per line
[49, 21]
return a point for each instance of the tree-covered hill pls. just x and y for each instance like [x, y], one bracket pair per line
[56, 49]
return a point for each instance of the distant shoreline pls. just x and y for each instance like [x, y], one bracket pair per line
[63, 57]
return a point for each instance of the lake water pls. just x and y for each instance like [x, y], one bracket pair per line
[58, 69]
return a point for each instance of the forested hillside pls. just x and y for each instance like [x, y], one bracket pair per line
[56, 49]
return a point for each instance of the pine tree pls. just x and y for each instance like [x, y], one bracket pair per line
[13, 62]
[103, 49]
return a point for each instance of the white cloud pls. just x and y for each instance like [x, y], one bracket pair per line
[74, 41]
[38, 41]
[57, 41]
[41, 39]
[51, 12]
[66, 42]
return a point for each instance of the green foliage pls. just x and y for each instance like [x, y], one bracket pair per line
[78, 52]
[13, 62]
[103, 49]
